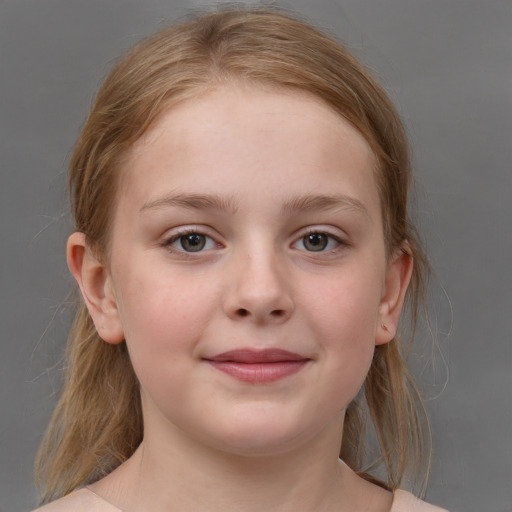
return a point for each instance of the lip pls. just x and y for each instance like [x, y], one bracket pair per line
[258, 366]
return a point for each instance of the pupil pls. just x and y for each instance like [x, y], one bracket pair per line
[315, 242]
[193, 242]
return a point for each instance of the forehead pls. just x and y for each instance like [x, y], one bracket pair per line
[257, 104]
[243, 134]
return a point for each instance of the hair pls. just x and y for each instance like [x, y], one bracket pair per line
[97, 423]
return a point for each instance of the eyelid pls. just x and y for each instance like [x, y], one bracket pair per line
[340, 239]
[177, 233]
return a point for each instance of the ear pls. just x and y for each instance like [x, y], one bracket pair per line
[95, 284]
[398, 276]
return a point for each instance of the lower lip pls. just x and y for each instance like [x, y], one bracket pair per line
[259, 373]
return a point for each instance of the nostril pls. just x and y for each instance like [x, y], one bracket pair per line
[275, 313]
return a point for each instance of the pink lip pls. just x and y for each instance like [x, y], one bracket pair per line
[258, 366]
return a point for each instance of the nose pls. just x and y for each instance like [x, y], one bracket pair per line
[259, 290]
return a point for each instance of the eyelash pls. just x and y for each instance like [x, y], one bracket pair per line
[168, 243]
[330, 237]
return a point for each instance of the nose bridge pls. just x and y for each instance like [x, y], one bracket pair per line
[259, 289]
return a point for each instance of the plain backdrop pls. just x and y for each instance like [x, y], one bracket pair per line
[446, 64]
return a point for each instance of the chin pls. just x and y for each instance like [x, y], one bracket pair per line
[257, 436]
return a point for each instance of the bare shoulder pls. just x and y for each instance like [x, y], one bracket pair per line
[405, 502]
[79, 501]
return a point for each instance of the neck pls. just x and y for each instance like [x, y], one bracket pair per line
[182, 474]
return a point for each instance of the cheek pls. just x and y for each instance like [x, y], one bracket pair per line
[163, 318]
[344, 316]
[346, 305]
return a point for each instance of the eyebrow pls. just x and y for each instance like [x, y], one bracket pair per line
[305, 203]
[192, 202]
[310, 202]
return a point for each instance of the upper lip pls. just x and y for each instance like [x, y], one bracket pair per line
[247, 355]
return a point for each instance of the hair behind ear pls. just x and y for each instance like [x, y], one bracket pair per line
[399, 419]
[90, 433]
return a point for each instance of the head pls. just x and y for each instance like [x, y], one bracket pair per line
[243, 48]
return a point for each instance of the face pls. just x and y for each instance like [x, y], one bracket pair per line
[248, 271]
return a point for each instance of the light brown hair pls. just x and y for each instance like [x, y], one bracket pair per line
[97, 423]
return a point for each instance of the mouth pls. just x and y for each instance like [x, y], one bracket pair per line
[258, 366]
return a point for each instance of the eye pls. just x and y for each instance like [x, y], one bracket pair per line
[191, 242]
[317, 241]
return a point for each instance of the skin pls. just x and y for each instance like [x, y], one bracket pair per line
[256, 172]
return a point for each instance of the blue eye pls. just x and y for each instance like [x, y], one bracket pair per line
[317, 241]
[191, 242]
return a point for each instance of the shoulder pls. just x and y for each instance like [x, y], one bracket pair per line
[79, 501]
[404, 501]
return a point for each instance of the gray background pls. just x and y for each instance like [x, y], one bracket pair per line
[447, 65]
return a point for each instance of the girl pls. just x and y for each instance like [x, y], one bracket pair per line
[243, 252]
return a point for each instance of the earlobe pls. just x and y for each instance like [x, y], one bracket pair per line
[96, 287]
[398, 277]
